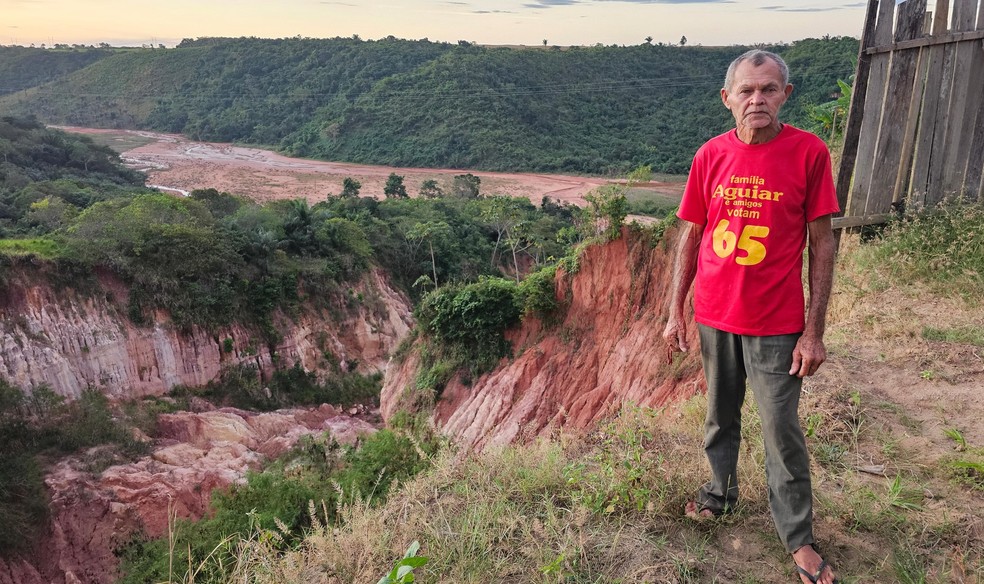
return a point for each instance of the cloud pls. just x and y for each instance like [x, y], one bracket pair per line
[779, 8]
[494, 12]
[552, 3]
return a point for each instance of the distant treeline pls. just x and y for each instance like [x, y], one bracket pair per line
[595, 110]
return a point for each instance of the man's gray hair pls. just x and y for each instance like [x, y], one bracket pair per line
[757, 57]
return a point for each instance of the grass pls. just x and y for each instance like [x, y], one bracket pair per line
[965, 334]
[647, 201]
[121, 141]
[40, 247]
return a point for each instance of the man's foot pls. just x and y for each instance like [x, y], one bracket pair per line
[694, 511]
[813, 569]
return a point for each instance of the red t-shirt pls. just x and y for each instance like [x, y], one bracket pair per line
[754, 202]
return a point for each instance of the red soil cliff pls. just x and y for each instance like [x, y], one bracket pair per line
[605, 353]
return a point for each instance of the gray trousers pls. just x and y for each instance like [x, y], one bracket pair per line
[729, 359]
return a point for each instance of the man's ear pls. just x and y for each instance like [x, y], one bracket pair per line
[724, 97]
[788, 90]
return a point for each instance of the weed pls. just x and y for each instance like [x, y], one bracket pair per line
[908, 566]
[625, 473]
[970, 472]
[957, 436]
[900, 497]
[402, 572]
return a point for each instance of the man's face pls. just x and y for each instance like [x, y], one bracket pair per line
[756, 95]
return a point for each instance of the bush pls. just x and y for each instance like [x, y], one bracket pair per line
[943, 246]
[538, 293]
[240, 386]
[471, 319]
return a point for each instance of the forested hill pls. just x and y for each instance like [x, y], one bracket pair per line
[599, 110]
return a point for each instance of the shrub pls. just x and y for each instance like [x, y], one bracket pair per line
[240, 386]
[469, 320]
[538, 293]
[943, 246]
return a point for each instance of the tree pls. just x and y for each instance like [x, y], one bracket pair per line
[683, 40]
[608, 207]
[350, 187]
[428, 232]
[832, 115]
[465, 186]
[430, 190]
[544, 42]
[506, 215]
[394, 187]
[649, 40]
[300, 226]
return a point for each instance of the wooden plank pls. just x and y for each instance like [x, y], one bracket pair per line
[861, 220]
[973, 136]
[928, 41]
[974, 179]
[975, 161]
[929, 117]
[900, 191]
[937, 163]
[888, 152]
[855, 114]
[873, 105]
[957, 139]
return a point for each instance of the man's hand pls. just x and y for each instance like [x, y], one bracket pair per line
[675, 335]
[808, 354]
[684, 270]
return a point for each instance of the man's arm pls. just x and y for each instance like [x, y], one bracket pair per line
[684, 270]
[810, 351]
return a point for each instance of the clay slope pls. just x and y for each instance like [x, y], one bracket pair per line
[607, 352]
[72, 341]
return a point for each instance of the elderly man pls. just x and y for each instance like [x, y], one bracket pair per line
[755, 197]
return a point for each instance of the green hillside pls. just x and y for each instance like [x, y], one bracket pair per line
[23, 67]
[597, 110]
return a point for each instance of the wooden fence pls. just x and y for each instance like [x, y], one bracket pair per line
[915, 131]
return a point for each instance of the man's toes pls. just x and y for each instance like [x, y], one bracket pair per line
[694, 511]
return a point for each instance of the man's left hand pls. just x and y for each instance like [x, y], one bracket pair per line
[808, 355]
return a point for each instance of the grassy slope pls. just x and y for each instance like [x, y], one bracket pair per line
[893, 424]
[119, 91]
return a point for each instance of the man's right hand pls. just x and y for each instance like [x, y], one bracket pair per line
[675, 335]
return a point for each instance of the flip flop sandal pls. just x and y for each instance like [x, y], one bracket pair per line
[814, 577]
[715, 512]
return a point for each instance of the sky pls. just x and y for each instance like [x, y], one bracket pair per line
[487, 22]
